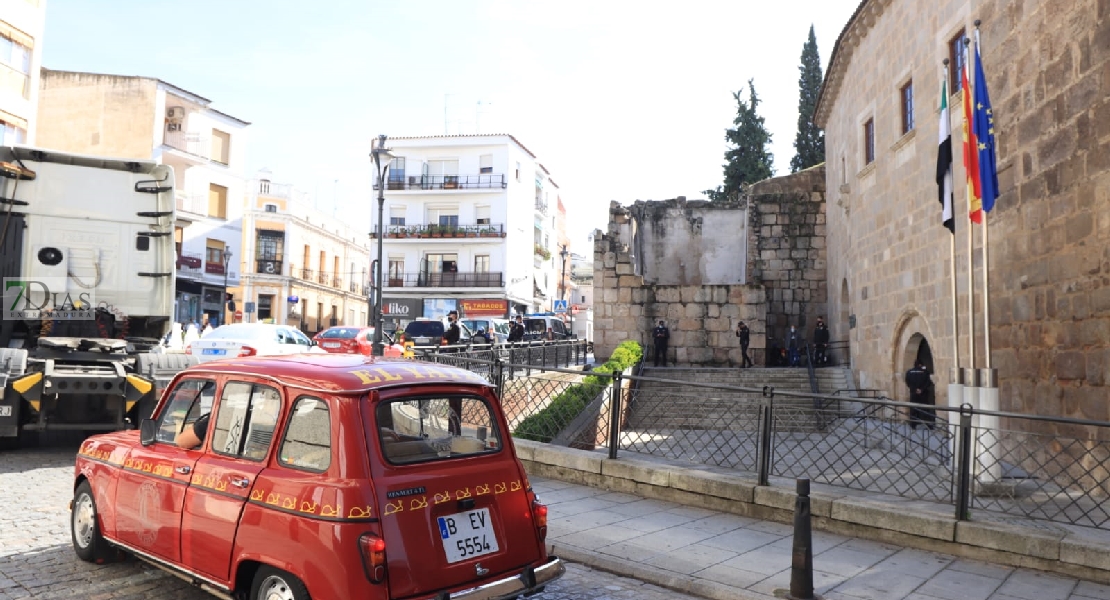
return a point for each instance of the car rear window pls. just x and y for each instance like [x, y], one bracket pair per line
[535, 325]
[340, 333]
[424, 329]
[442, 428]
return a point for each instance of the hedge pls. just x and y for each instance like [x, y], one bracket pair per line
[565, 407]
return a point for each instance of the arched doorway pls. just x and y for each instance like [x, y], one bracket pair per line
[917, 350]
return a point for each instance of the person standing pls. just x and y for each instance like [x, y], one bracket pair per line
[516, 330]
[452, 333]
[745, 336]
[661, 335]
[919, 382]
[792, 345]
[820, 342]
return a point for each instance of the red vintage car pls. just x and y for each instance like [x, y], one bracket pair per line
[324, 476]
[342, 339]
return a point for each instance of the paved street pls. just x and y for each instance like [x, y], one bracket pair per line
[37, 561]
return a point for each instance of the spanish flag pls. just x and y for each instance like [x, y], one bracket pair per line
[971, 152]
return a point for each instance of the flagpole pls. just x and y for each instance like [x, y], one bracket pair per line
[967, 97]
[986, 264]
[952, 251]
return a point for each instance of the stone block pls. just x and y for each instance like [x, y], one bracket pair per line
[699, 355]
[622, 310]
[689, 324]
[820, 505]
[675, 312]
[1009, 538]
[568, 458]
[720, 485]
[1080, 550]
[639, 295]
[642, 471]
[720, 294]
[624, 269]
[713, 311]
[886, 515]
[667, 294]
[624, 295]
[609, 261]
[718, 324]
[695, 311]
[688, 293]
[630, 281]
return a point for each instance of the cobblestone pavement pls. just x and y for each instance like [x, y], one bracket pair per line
[37, 559]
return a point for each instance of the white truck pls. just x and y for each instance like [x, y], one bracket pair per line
[87, 261]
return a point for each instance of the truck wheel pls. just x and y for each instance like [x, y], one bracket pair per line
[273, 584]
[85, 527]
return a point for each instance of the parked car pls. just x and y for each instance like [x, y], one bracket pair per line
[498, 329]
[354, 340]
[319, 476]
[429, 332]
[250, 339]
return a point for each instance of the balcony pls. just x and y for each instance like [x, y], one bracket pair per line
[189, 265]
[541, 206]
[193, 144]
[196, 204]
[320, 278]
[444, 182]
[486, 279]
[214, 268]
[495, 230]
[268, 266]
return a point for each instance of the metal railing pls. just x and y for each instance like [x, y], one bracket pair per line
[443, 182]
[191, 143]
[1047, 468]
[433, 230]
[491, 279]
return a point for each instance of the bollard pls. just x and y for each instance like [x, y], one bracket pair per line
[801, 564]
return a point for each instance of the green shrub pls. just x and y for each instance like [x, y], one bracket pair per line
[568, 404]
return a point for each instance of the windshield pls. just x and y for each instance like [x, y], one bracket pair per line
[340, 333]
[426, 429]
[535, 325]
[424, 329]
[241, 331]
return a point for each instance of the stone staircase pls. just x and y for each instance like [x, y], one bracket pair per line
[675, 404]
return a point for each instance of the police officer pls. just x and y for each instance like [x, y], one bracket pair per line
[516, 330]
[452, 333]
[919, 382]
[744, 334]
[821, 342]
[661, 335]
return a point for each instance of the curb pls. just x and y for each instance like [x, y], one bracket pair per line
[687, 584]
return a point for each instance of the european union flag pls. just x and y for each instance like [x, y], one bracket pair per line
[983, 126]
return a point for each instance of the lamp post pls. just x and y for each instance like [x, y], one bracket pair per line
[563, 278]
[227, 262]
[381, 157]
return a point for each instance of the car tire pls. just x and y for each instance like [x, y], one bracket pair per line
[270, 584]
[84, 523]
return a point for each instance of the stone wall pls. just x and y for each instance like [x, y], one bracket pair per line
[781, 254]
[1047, 66]
[788, 237]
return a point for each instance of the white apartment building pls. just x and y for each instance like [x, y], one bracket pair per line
[581, 300]
[301, 267]
[124, 116]
[470, 225]
[21, 26]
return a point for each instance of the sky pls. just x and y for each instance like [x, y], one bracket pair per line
[620, 100]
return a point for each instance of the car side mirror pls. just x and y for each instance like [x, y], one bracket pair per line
[148, 431]
[312, 342]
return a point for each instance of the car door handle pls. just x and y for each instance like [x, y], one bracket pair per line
[240, 482]
[184, 470]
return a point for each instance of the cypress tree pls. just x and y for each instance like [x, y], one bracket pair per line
[809, 144]
[748, 160]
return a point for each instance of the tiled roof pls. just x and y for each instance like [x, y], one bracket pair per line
[477, 135]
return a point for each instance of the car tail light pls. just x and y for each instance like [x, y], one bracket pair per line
[372, 549]
[539, 517]
[247, 351]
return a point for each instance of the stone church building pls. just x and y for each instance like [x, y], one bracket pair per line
[865, 247]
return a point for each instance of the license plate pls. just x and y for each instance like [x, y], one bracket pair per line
[422, 340]
[5, 411]
[330, 344]
[214, 352]
[467, 534]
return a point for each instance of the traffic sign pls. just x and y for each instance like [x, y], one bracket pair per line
[248, 307]
[560, 306]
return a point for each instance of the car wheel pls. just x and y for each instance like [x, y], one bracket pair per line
[273, 584]
[85, 526]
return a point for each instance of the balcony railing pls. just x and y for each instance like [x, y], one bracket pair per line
[268, 266]
[494, 230]
[444, 182]
[320, 277]
[191, 143]
[490, 279]
[189, 264]
[541, 206]
[192, 203]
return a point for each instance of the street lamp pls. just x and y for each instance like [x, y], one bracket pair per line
[227, 299]
[381, 158]
[563, 278]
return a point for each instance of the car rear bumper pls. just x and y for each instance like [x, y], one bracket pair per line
[529, 581]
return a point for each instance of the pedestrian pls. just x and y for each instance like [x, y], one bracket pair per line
[451, 336]
[745, 335]
[919, 383]
[516, 330]
[792, 344]
[660, 336]
[820, 342]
